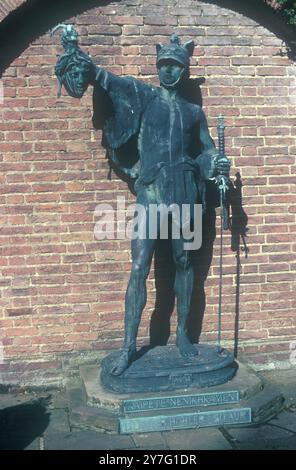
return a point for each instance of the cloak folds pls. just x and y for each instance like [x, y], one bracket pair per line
[118, 103]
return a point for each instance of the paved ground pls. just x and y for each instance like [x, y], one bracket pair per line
[40, 421]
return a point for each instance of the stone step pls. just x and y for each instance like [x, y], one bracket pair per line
[251, 402]
[172, 421]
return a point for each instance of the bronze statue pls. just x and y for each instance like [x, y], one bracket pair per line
[161, 142]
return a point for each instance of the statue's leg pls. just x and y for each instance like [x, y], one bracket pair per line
[135, 300]
[183, 289]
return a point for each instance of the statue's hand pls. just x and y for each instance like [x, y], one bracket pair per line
[133, 173]
[222, 165]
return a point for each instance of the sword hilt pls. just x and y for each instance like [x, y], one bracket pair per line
[222, 180]
[221, 134]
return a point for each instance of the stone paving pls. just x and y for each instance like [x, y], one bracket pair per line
[40, 421]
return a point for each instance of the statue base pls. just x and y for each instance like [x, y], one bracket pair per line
[164, 369]
[246, 400]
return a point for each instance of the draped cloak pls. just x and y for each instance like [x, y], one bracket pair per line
[119, 104]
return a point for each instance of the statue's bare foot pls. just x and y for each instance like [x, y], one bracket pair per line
[186, 348]
[123, 361]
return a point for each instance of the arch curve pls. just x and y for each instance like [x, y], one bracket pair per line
[7, 6]
[19, 28]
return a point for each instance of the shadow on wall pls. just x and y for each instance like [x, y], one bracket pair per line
[239, 222]
[165, 274]
[20, 27]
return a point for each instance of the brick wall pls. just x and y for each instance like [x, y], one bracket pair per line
[62, 291]
[7, 6]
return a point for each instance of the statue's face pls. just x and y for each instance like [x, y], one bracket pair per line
[169, 73]
[76, 79]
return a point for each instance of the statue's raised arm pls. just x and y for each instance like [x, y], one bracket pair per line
[117, 101]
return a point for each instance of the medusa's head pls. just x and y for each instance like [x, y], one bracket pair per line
[75, 70]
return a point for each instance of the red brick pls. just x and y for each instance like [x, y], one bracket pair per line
[16, 312]
[267, 71]
[55, 172]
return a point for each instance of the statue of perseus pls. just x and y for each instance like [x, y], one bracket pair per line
[161, 142]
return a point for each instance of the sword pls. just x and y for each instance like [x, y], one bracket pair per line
[223, 185]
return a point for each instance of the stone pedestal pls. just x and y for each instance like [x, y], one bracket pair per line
[163, 369]
[245, 400]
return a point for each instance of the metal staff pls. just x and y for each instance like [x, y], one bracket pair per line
[222, 182]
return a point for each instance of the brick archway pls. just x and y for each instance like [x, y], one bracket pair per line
[60, 295]
[19, 25]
